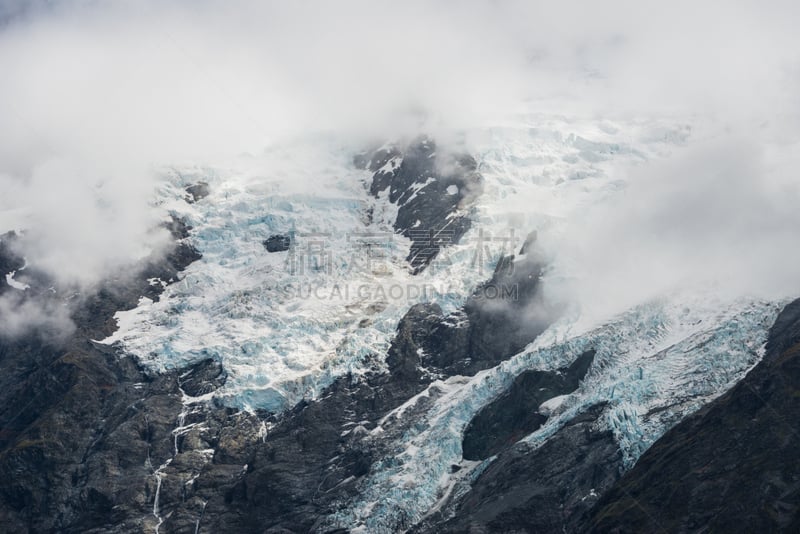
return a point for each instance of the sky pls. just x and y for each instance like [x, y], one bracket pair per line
[96, 96]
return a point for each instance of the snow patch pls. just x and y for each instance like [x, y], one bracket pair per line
[14, 283]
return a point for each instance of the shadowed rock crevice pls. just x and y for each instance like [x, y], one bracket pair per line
[204, 377]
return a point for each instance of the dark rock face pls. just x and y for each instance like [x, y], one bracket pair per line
[499, 319]
[277, 243]
[412, 334]
[197, 191]
[303, 467]
[433, 192]
[513, 415]
[79, 425]
[733, 466]
[540, 490]
[202, 378]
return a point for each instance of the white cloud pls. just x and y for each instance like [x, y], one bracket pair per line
[97, 94]
[721, 213]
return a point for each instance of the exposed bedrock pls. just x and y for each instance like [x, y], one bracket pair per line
[499, 319]
[197, 192]
[540, 490]
[80, 427]
[277, 243]
[434, 190]
[515, 414]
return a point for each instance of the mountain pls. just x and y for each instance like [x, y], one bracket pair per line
[382, 354]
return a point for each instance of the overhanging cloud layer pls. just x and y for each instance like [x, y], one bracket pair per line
[98, 95]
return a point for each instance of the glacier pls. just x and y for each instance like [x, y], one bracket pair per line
[286, 324]
[654, 365]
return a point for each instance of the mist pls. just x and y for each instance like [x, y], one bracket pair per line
[96, 96]
[719, 217]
